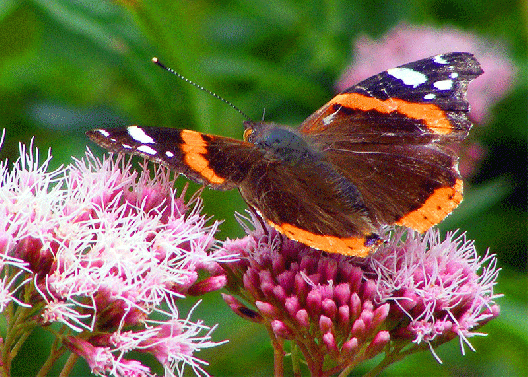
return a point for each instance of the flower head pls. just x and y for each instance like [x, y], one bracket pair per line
[414, 292]
[98, 248]
[443, 288]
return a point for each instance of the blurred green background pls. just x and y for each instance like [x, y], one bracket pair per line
[69, 66]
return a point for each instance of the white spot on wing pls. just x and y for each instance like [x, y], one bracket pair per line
[454, 75]
[139, 135]
[440, 59]
[430, 96]
[103, 132]
[169, 154]
[126, 146]
[408, 76]
[329, 118]
[146, 149]
[443, 84]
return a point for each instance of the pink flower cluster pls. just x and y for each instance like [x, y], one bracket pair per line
[414, 292]
[100, 249]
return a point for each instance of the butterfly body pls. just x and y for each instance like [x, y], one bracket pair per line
[379, 153]
[280, 143]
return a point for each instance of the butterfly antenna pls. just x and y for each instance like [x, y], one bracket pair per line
[160, 64]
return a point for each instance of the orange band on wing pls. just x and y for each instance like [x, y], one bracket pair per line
[433, 116]
[440, 204]
[347, 246]
[194, 148]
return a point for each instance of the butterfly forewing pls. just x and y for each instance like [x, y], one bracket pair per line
[424, 98]
[217, 161]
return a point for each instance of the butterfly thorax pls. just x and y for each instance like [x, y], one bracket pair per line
[279, 143]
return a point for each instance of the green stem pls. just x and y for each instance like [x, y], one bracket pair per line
[18, 344]
[278, 354]
[296, 366]
[6, 362]
[278, 362]
[345, 372]
[72, 359]
[17, 332]
[55, 353]
[391, 358]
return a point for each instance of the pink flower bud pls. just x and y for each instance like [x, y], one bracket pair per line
[378, 344]
[267, 309]
[240, 309]
[207, 285]
[281, 330]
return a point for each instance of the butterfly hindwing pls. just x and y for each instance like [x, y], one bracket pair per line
[311, 203]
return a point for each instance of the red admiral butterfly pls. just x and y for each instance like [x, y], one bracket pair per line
[378, 153]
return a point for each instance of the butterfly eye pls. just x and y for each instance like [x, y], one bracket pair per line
[247, 133]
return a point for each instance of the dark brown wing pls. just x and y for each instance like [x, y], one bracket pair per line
[217, 161]
[391, 136]
[311, 203]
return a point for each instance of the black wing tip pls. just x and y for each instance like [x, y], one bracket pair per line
[467, 60]
[98, 135]
[94, 134]
[104, 138]
[463, 62]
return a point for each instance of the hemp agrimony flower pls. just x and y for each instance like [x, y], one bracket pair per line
[103, 253]
[414, 293]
